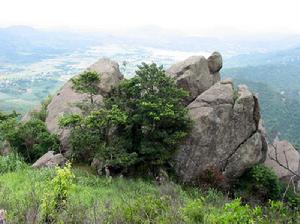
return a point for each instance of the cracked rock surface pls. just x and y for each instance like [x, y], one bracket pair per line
[225, 135]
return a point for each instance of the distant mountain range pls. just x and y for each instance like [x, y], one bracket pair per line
[283, 57]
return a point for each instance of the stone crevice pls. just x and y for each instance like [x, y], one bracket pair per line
[235, 151]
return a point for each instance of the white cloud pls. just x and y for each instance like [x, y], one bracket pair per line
[195, 16]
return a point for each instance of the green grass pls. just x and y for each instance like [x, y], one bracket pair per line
[94, 199]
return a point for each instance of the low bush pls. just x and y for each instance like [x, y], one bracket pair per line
[145, 209]
[259, 183]
[56, 194]
[194, 211]
[235, 212]
[292, 198]
[30, 139]
[11, 162]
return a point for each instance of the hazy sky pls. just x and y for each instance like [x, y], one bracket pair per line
[193, 16]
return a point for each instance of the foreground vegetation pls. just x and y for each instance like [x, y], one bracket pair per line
[65, 195]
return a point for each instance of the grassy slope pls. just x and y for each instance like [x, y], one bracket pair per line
[21, 191]
[99, 200]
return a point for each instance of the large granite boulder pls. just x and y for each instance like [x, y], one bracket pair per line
[66, 100]
[49, 160]
[110, 74]
[225, 136]
[195, 76]
[287, 156]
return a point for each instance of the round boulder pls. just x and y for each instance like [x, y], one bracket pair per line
[215, 62]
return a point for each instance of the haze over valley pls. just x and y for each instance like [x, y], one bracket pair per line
[35, 63]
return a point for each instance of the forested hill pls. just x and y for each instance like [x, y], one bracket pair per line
[280, 113]
[275, 77]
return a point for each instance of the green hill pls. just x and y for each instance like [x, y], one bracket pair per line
[280, 113]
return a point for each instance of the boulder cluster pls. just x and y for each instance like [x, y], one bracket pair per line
[227, 133]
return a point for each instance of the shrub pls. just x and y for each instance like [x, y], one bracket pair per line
[56, 196]
[235, 94]
[292, 199]
[261, 182]
[212, 178]
[193, 212]
[234, 212]
[145, 209]
[30, 139]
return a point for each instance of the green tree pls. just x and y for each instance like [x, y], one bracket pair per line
[157, 119]
[87, 82]
[141, 124]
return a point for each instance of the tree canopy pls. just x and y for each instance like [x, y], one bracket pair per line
[87, 82]
[141, 124]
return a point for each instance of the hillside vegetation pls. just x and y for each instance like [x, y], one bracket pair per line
[133, 134]
[34, 196]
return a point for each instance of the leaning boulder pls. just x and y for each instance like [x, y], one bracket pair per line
[194, 76]
[215, 62]
[282, 154]
[50, 160]
[225, 135]
[66, 100]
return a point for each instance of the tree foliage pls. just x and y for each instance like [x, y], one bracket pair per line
[30, 139]
[87, 82]
[260, 181]
[141, 124]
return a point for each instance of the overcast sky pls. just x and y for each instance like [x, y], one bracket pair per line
[192, 16]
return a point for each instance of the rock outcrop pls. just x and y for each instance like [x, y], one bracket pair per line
[195, 75]
[110, 74]
[66, 100]
[225, 135]
[50, 160]
[287, 155]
